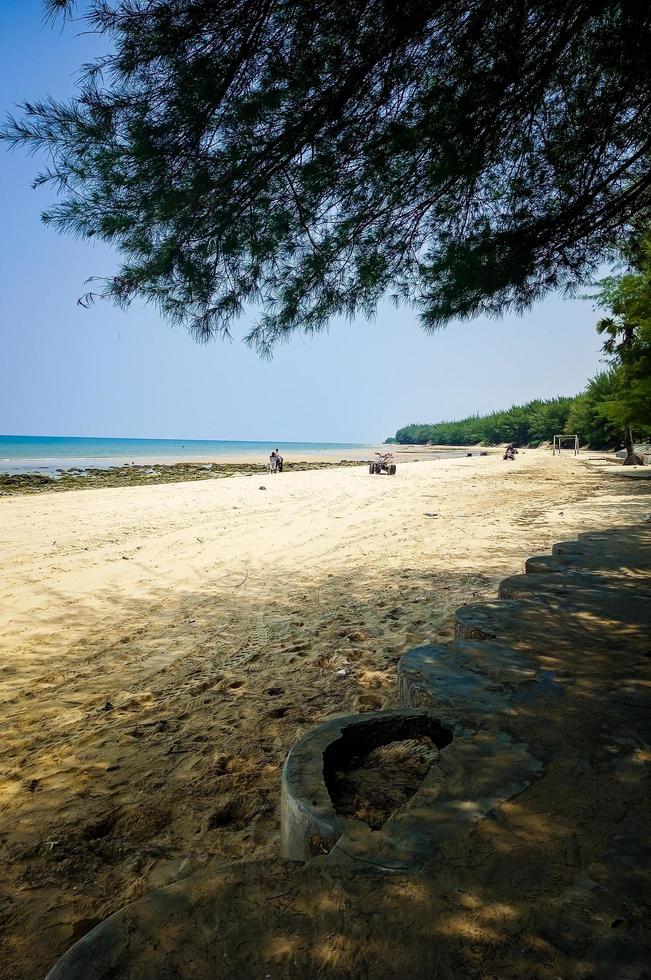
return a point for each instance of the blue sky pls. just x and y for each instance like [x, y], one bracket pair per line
[103, 372]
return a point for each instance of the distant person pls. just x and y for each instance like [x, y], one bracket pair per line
[276, 461]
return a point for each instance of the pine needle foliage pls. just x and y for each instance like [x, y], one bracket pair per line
[307, 159]
[523, 425]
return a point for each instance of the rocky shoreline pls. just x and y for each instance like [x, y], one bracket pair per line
[77, 478]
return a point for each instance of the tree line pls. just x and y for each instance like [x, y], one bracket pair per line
[615, 408]
[525, 425]
[595, 415]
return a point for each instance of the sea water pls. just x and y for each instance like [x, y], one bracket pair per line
[47, 454]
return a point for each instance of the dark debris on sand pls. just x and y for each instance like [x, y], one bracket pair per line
[141, 475]
[379, 783]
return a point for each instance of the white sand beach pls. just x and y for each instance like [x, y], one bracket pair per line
[162, 647]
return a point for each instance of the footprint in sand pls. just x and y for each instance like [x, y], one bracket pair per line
[301, 647]
[357, 635]
[81, 927]
[227, 812]
[279, 712]
[204, 685]
[370, 702]
[355, 655]
[99, 828]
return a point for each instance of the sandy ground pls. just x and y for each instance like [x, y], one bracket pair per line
[401, 453]
[162, 647]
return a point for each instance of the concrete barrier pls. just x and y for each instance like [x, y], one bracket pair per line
[310, 824]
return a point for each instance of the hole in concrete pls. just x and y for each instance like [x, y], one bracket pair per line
[377, 765]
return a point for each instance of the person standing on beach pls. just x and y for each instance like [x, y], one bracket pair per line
[276, 461]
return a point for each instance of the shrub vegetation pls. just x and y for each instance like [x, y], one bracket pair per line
[588, 414]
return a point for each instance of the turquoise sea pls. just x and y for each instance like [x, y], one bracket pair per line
[27, 454]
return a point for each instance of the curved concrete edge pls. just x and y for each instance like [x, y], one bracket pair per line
[464, 679]
[546, 585]
[530, 586]
[96, 954]
[477, 772]
[587, 586]
[310, 824]
[548, 564]
[102, 952]
[484, 620]
[595, 537]
[597, 551]
[567, 548]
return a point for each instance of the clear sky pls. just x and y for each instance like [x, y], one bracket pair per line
[102, 372]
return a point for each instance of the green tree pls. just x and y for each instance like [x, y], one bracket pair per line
[627, 332]
[548, 419]
[586, 416]
[529, 424]
[305, 159]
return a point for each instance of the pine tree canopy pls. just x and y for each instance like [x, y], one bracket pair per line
[299, 159]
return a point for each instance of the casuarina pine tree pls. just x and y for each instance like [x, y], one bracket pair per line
[626, 330]
[300, 160]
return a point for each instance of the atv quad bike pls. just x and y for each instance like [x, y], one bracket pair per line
[383, 464]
